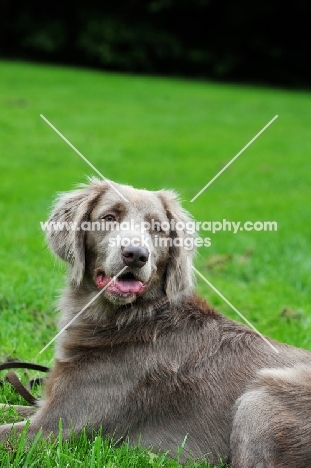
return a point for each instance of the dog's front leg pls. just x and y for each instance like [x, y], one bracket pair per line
[8, 430]
[23, 411]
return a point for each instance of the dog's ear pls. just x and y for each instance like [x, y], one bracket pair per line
[64, 234]
[179, 273]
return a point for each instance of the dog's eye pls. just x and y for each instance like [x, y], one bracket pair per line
[109, 218]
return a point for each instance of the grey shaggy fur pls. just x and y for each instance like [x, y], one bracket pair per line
[155, 375]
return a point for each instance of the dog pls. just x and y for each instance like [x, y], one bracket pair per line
[142, 358]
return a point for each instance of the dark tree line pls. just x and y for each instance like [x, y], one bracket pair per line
[256, 41]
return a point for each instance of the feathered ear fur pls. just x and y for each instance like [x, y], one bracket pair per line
[179, 273]
[65, 236]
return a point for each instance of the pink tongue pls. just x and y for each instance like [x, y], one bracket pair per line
[133, 286]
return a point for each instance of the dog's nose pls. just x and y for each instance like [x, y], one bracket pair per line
[134, 255]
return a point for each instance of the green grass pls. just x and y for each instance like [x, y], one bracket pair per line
[153, 133]
[81, 452]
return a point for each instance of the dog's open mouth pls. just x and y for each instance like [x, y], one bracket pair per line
[123, 285]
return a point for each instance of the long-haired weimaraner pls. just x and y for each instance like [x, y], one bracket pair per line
[150, 362]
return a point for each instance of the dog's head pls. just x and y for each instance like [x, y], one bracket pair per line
[126, 241]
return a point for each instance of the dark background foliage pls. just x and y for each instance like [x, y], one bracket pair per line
[264, 41]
